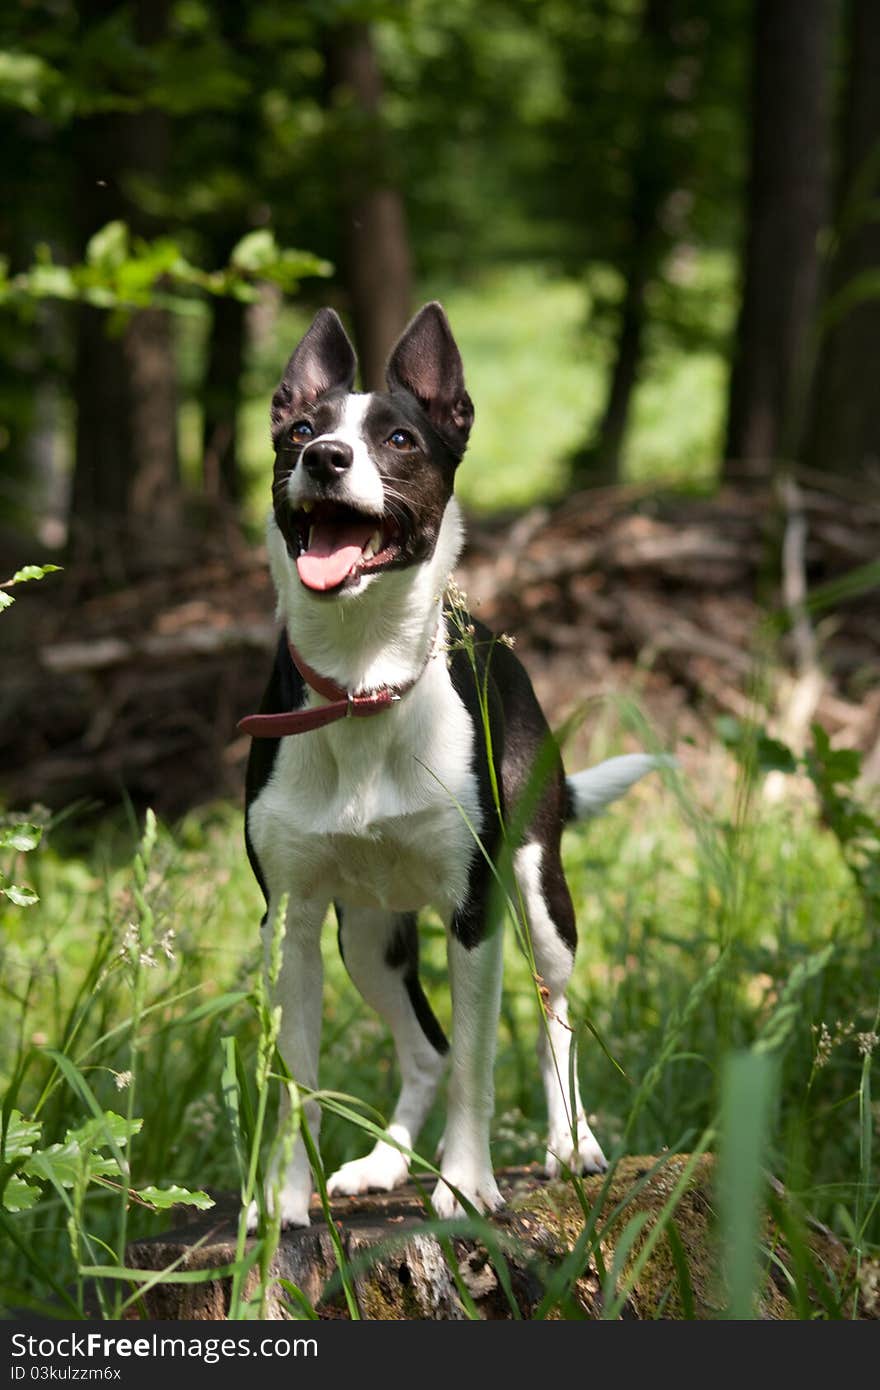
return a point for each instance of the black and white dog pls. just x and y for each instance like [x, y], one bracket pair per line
[369, 768]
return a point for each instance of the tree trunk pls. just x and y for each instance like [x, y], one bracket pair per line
[154, 495]
[240, 134]
[125, 503]
[30, 348]
[652, 174]
[377, 266]
[844, 430]
[221, 400]
[102, 441]
[602, 465]
[787, 205]
[154, 499]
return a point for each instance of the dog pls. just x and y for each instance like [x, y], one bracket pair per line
[372, 784]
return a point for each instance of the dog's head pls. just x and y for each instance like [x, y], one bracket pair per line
[362, 481]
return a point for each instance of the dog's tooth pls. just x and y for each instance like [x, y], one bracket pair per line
[309, 539]
[306, 507]
[374, 544]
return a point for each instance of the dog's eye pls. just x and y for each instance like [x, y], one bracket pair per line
[301, 432]
[401, 439]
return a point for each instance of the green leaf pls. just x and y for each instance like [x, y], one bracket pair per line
[258, 253]
[255, 250]
[773, 755]
[164, 1197]
[843, 765]
[77, 1155]
[197, 79]
[19, 1136]
[66, 1164]
[6, 600]
[33, 572]
[49, 282]
[108, 249]
[747, 742]
[26, 81]
[22, 838]
[110, 1128]
[19, 894]
[19, 1195]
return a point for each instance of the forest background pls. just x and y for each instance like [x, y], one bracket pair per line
[654, 225]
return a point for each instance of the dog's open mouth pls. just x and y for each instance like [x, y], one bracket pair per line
[335, 544]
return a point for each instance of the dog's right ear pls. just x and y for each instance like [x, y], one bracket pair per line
[324, 360]
[426, 362]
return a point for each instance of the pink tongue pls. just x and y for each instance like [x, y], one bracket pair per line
[333, 553]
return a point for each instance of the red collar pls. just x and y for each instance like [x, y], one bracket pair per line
[343, 705]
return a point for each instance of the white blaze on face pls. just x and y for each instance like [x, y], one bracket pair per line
[362, 487]
[332, 551]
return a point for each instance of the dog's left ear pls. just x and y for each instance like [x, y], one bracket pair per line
[323, 361]
[427, 363]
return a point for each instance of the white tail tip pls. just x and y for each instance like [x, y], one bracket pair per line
[595, 788]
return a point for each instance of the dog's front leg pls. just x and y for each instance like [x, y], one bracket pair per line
[475, 977]
[299, 993]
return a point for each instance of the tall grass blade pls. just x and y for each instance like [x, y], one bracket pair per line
[354, 1311]
[748, 1090]
[682, 1272]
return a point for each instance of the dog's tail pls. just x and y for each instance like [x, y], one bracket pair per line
[589, 792]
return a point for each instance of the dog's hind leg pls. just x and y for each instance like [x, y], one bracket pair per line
[571, 1142]
[475, 977]
[381, 953]
[298, 992]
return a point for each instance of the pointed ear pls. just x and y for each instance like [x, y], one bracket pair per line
[324, 360]
[427, 363]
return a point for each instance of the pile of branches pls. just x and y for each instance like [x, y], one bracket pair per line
[679, 601]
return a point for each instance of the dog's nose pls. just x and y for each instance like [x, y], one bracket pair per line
[326, 459]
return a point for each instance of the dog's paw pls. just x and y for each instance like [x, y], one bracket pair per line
[293, 1207]
[584, 1157]
[380, 1171]
[479, 1188]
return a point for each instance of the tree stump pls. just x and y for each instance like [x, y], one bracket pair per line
[400, 1271]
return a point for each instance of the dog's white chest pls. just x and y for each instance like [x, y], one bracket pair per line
[373, 812]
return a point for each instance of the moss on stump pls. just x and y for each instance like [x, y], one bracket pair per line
[400, 1271]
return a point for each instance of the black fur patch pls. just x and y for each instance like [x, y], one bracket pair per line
[513, 708]
[402, 953]
[286, 691]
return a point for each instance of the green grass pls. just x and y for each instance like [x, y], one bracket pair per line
[694, 920]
